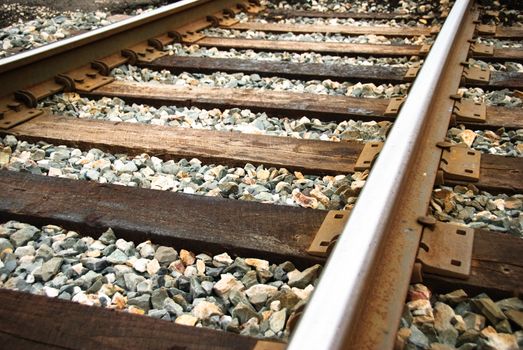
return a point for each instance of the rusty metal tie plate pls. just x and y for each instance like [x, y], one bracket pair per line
[161, 41]
[328, 233]
[105, 64]
[83, 79]
[35, 93]
[446, 249]
[190, 33]
[223, 19]
[412, 72]
[252, 7]
[368, 155]
[13, 112]
[460, 163]
[470, 111]
[476, 75]
[486, 29]
[425, 48]
[143, 52]
[482, 49]
[394, 106]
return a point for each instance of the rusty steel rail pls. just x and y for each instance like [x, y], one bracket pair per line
[372, 261]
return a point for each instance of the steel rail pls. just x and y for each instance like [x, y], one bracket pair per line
[356, 271]
[43, 63]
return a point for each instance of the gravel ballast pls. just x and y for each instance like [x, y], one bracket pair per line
[295, 57]
[457, 320]
[251, 183]
[243, 295]
[469, 206]
[254, 81]
[240, 120]
[316, 37]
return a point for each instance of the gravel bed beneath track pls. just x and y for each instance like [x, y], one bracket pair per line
[428, 8]
[508, 15]
[498, 67]
[28, 35]
[457, 320]
[478, 209]
[242, 295]
[251, 183]
[500, 44]
[254, 81]
[315, 37]
[12, 13]
[242, 17]
[504, 98]
[308, 57]
[241, 120]
[500, 142]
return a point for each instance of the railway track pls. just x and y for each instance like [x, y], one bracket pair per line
[250, 138]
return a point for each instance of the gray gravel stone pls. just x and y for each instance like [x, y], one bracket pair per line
[22, 236]
[165, 255]
[48, 269]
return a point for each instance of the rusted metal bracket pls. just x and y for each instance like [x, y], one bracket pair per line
[394, 106]
[458, 162]
[190, 33]
[142, 52]
[485, 29]
[425, 48]
[435, 30]
[481, 49]
[473, 74]
[251, 6]
[83, 79]
[469, 110]
[161, 41]
[13, 112]
[446, 249]
[412, 72]
[223, 18]
[328, 233]
[35, 93]
[492, 13]
[106, 64]
[368, 155]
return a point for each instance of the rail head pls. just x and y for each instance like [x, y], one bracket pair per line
[332, 314]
